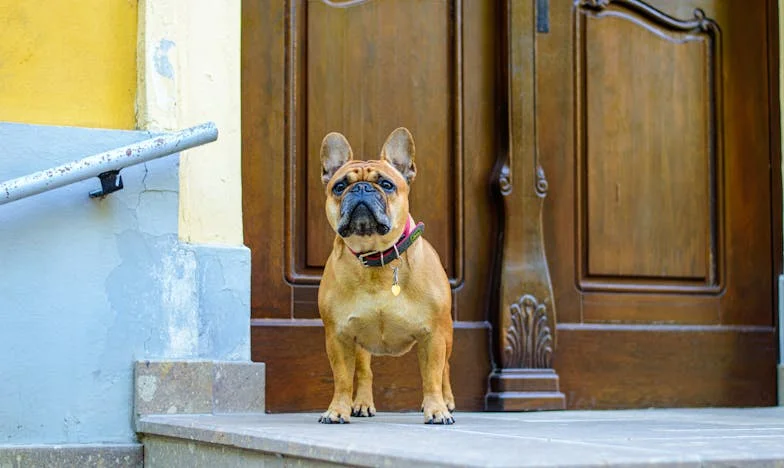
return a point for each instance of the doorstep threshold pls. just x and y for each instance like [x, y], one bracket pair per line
[660, 437]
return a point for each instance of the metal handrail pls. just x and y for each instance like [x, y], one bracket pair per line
[107, 165]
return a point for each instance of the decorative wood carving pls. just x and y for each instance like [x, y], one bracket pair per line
[541, 182]
[699, 22]
[343, 3]
[529, 341]
[703, 73]
[504, 181]
[524, 378]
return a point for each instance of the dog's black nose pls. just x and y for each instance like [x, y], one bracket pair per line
[362, 187]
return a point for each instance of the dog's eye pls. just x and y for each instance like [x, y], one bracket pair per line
[339, 187]
[387, 186]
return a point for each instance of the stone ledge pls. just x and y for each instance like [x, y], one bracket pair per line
[694, 437]
[71, 455]
[198, 387]
[166, 452]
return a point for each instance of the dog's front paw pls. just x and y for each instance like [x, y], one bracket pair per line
[335, 415]
[437, 413]
[363, 409]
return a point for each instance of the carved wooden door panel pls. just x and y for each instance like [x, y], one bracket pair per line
[655, 128]
[363, 68]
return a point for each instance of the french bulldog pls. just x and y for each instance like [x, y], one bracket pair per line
[384, 288]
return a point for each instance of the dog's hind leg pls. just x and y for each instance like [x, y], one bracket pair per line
[363, 402]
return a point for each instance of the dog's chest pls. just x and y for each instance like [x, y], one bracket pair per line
[382, 326]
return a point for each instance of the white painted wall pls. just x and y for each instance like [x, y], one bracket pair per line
[189, 73]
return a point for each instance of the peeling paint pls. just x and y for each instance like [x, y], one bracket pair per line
[162, 64]
[180, 303]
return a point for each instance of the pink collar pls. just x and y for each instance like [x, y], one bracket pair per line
[410, 233]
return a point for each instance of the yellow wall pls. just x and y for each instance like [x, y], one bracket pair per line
[68, 62]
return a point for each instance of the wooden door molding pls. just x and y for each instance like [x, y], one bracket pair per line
[524, 378]
[659, 129]
[696, 44]
[317, 32]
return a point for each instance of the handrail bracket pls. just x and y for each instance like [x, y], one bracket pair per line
[111, 181]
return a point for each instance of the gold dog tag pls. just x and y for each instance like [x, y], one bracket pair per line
[395, 285]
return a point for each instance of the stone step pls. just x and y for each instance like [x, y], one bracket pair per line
[682, 437]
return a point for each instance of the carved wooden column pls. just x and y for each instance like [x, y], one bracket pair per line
[525, 328]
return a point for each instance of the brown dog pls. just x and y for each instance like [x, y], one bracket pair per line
[384, 288]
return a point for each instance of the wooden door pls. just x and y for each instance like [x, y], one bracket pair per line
[657, 129]
[364, 68]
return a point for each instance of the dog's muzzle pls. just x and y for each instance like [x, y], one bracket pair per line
[363, 212]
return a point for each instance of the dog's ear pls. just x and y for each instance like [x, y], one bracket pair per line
[335, 152]
[399, 151]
